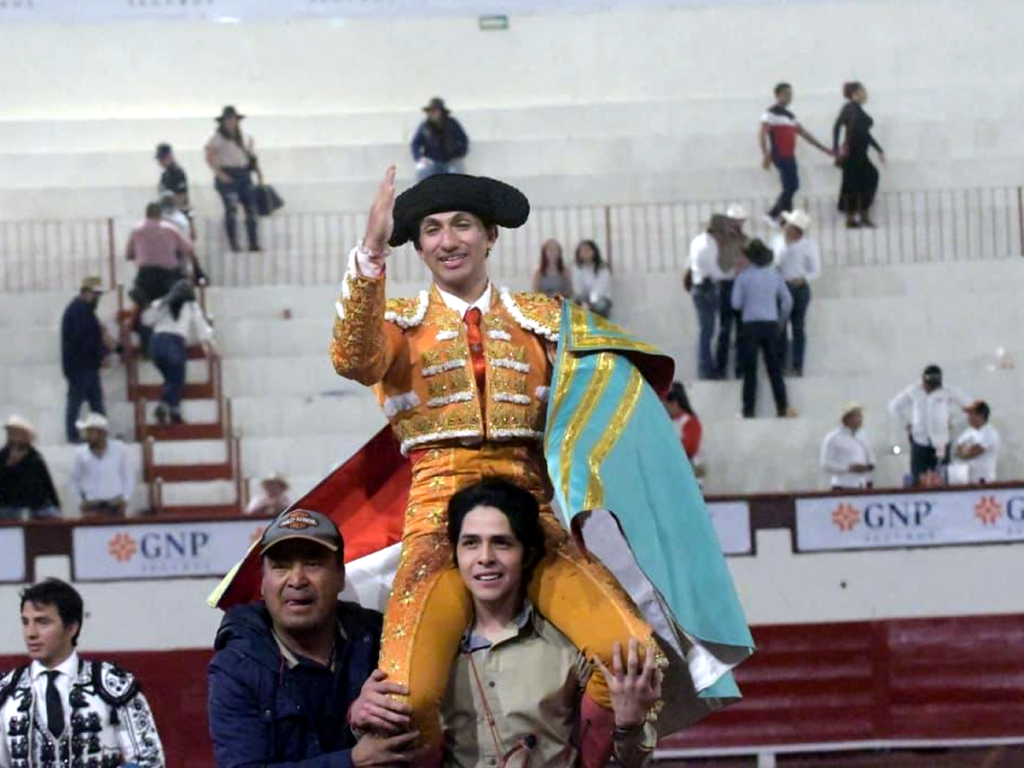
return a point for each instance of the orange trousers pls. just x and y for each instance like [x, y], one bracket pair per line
[429, 608]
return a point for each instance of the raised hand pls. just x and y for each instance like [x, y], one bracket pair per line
[381, 220]
[634, 691]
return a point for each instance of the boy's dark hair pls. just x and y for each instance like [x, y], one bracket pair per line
[520, 507]
[61, 595]
[779, 88]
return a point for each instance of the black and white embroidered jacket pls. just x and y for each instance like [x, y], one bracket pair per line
[110, 723]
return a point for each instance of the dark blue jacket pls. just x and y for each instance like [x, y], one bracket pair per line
[81, 339]
[257, 717]
[442, 145]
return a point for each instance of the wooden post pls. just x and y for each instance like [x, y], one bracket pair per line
[111, 253]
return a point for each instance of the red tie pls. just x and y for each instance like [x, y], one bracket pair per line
[476, 345]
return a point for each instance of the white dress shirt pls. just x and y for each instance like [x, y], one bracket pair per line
[68, 671]
[982, 468]
[797, 261]
[840, 449]
[704, 260]
[927, 414]
[590, 285]
[103, 478]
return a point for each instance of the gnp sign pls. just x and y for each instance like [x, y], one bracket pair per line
[172, 550]
[910, 519]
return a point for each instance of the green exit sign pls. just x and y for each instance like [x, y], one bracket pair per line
[493, 23]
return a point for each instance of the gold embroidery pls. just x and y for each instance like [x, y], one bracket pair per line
[406, 309]
[594, 498]
[508, 381]
[356, 340]
[595, 390]
[540, 309]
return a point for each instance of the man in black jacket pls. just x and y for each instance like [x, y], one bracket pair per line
[290, 667]
[26, 488]
[83, 349]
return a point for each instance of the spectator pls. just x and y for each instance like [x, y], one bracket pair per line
[592, 280]
[26, 488]
[83, 347]
[173, 178]
[845, 453]
[798, 260]
[977, 448]
[102, 476]
[173, 321]
[701, 280]
[685, 420]
[288, 667]
[274, 498]
[860, 177]
[232, 156]
[440, 144]
[534, 697]
[779, 131]
[764, 304]
[731, 243]
[156, 247]
[181, 221]
[923, 411]
[551, 277]
[62, 710]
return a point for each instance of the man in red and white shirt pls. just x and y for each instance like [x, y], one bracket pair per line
[779, 131]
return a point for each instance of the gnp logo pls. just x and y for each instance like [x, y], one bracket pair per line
[988, 510]
[888, 519]
[845, 517]
[122, 547]
[159, 549]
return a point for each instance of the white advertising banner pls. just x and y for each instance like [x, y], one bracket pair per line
[102, 11]
[160, 551]
[12, 554]
[732, 525]
[910, 519]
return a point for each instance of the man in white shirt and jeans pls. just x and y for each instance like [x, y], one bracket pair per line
[977, 448]
[923, 410]
[102, 476]
[846, 454]
[703, 276]
[798, 260]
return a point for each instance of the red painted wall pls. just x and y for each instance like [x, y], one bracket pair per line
[943, 678]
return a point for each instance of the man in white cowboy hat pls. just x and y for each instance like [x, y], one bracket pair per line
[102, 477]
[440, 143]
[26, 488]
[799, 261]
[846, 454]
[274, 498]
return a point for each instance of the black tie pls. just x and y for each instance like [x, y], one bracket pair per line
[54, 707]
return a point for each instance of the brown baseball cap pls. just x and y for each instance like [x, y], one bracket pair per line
[301, 524]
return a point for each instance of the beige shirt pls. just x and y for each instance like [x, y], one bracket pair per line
[227, 153]
[531, 680]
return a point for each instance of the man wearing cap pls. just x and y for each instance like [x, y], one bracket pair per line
[846, 454]
[26, 488]
[731, 260]
[440, 144]
[173, 178]
[288, 668]
[798, 260]
[463, 373]
[102, 476]
[231, 156]
[977, 448]
[83, 347]
[923, 410]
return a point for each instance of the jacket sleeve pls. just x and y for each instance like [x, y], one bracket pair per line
[460, 141]
[363, 346]
[137, 735]
[49, 491]
[418, 144]
[237, 730]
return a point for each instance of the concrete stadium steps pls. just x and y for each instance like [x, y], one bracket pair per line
[298, 455]
[353, 413]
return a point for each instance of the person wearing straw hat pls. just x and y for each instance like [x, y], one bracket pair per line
[440, 143]
[232, 157]
[846, 454]
[26, 488]
[102, 476]
[799, 262]
[274, 498]
[83, 346]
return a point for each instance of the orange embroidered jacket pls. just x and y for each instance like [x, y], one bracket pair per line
[415, 354]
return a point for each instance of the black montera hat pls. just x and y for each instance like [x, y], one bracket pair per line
[494, 201]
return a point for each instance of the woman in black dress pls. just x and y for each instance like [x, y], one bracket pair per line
[851, 137]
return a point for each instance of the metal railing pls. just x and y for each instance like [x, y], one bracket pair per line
[927, 226]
